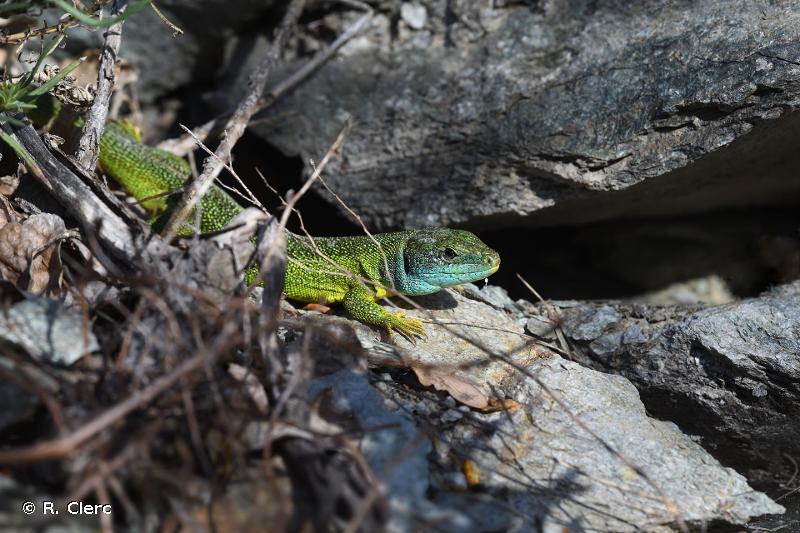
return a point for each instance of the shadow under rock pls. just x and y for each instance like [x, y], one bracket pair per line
[435, 302]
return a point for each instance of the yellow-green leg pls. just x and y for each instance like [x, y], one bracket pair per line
[360, 303]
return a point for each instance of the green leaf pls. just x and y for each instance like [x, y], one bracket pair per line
[20, 150]
[97, 22]
[15, 6]
[11, 120]
[19, 106]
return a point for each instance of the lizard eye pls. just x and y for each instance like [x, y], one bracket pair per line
[449, 253]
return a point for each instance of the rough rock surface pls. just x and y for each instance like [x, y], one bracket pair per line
[536, 464]
[501, 111]
[47, 330]
[729, 373]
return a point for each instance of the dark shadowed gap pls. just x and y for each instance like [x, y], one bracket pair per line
[750, 249]
[285, 173]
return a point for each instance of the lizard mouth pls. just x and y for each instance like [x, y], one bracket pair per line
[477, 273]
[485, 273]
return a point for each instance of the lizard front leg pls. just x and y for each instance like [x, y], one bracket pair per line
[360, 303]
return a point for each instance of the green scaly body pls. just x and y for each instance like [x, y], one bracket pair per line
[418, 261]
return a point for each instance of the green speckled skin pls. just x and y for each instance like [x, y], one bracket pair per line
[353, 271]
[144, 172]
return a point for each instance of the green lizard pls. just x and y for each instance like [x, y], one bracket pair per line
[419, 261]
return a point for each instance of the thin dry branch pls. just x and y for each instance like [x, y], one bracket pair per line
[553, 314]
[235, 126]
[249, 197]
[375, 241]
[134, 448]
[289, 207]
[168, 23]
[272, 256]
[316, 62]
[66, 22]
[89, 144]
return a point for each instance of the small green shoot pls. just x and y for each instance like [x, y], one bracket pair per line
[14, 6]
[20, 94]
[93, 22]
[23, 155]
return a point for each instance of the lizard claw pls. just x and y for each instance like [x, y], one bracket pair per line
[406, 326]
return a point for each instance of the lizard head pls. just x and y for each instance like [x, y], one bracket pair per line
[438, 258]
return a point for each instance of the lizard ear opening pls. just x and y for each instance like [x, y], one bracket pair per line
[406, 263]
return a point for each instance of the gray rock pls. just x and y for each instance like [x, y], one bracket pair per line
[540, 326]
[493, 295]
[602, 318]
[454, 481]
[406, 481]
[397, 453]
[488, 114]
[452, 416]
[538, 464]
[554, 470]
[414, 14]
[474, 339]
[728, 374]
[48, 330]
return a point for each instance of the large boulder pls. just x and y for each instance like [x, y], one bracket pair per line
[729, 374]
[466, 113]
[577, 450]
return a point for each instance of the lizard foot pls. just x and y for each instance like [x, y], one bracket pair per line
[406, 326]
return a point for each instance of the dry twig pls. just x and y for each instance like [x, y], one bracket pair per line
[89, 145]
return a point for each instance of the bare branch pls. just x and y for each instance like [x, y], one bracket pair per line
[89, 145]
[315, 63]
[272, 257]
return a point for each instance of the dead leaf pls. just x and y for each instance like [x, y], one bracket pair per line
[9, 184]
[444, 378]
[26, 251]
[462, 389]
[497, 404]
[471, 472]
[320, 308]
